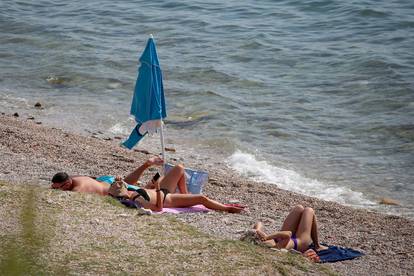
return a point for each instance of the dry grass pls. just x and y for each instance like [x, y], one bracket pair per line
[53, 232]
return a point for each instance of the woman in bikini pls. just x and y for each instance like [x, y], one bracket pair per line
[162, 192]
[298, 232]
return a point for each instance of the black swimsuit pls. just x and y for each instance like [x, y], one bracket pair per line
[166, 192]
[145, 195]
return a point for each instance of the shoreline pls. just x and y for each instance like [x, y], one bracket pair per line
[32, 153]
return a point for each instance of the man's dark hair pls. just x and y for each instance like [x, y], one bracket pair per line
[60, 177]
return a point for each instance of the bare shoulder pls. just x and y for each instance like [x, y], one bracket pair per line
[89, 185]
[80, 179]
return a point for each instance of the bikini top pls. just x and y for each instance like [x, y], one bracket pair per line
[143, 193]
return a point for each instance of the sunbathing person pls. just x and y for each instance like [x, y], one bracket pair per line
[298, 232]
[174, 179]
[156, 199]
[162, 195]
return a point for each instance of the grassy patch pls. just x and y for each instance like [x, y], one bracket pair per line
[67, 233]
[21, 252]
[112, 201]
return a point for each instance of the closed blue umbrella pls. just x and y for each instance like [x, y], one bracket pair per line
[148, 102]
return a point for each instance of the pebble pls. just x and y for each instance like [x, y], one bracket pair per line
[143, 211]
[389, 201]
[339, 225]
[234, 201]
[170, 149]
[123, 215]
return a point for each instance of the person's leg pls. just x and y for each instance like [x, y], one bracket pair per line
[303, 232]
[292, 220]
[175, 178]
[188, 200]
[315, 235]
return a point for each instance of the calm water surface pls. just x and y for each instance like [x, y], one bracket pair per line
[314, 96]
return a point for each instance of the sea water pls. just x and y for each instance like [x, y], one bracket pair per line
[316, 97]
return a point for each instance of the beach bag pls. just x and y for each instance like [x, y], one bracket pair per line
[195, 179]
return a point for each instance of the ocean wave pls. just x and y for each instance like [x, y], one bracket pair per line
[247, 165]
[373, 13]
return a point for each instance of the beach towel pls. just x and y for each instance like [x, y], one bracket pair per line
[336, 253]
[195, 179]
[110, 179]
[194, 209]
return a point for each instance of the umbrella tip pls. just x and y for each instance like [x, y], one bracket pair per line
[151, 36]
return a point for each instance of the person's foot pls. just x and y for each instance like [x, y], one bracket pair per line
[321, 247]
[233, 209]
[311, 255]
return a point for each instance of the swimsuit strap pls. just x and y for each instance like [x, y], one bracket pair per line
[136, 196]
[295, 243]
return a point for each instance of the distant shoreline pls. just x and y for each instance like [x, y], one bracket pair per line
[31, 153]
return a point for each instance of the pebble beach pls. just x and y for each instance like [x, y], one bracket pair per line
[31, 153]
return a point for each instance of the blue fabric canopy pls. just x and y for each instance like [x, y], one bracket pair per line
[148, 102]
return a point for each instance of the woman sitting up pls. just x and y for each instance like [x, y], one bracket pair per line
[298, 232]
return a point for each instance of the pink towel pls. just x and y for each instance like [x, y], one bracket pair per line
[193, 209]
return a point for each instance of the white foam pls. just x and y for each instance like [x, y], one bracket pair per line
[247, 165]
[7, 100]
[119, 129]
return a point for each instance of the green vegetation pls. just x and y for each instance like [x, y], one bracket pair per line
[112, 201]
[21, 250]
[58, 233]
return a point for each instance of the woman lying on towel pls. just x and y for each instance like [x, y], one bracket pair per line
[156, 199]
[298, 232]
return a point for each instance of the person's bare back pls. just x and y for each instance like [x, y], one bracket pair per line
[87, 184]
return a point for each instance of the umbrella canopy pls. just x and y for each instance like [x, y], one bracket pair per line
[148, 102]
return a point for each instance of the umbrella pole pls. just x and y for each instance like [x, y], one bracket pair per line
[162, 147]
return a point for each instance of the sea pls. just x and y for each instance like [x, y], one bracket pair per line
[314, 96]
